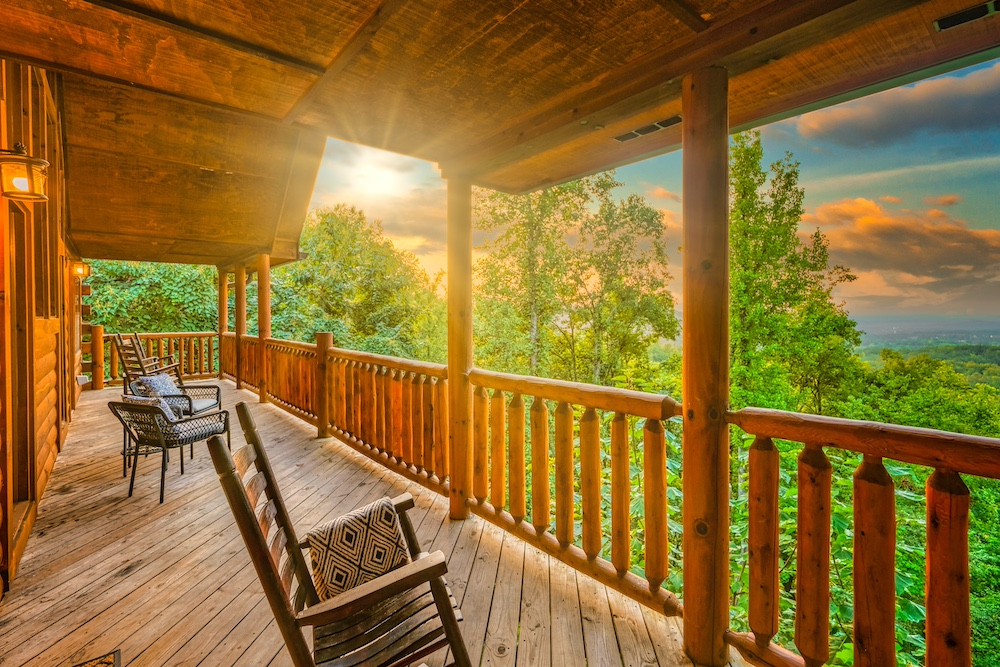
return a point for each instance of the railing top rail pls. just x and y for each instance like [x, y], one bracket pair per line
[970, 454]
[290, 345]
[165, 334]
[641, 404]
[409, 365]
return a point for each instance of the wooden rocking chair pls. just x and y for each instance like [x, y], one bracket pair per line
[394, 620]
[136, 364]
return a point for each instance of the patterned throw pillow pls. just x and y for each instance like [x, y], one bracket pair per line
[355, 548]
[151, 400]
[159, 385]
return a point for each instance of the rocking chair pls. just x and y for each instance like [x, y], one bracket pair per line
[395, 619]
[136, 364]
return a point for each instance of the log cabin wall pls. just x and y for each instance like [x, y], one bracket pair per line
[39, 339]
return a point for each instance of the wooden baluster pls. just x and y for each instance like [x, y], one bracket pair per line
[480, 448]
[431, 451]
[812, 586]
[540, 494]
[367, 403]
[417, 420]
[335, 391]
[173, 353]
[590, 482]
[115, 371]
[948, 628]
[515, 454]
[564, 473]
[148, 342]
[343, 406]
[763, 540]
[391, 413]
[406, 418]
[321, 389]
[380, 404]
[441, 428]
[358, 399]
[498, 450]
[874, 565]
[212, 368]
[654, 449]
[349, 399]
[159, 347]
[191, 356]
[621, 495]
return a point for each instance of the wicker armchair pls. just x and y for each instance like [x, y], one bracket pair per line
[148, 428]
[191, 400]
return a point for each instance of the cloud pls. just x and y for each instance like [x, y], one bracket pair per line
[917, 260]
[890, 199]
[660, 192]
[952, 168]
[941, 105]
[943, 200]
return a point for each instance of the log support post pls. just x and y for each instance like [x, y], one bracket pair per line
[460, 343]
[706, 364]
[223, 312]
[241, 320]
[324, 341]
[97, 356]
[263, 322]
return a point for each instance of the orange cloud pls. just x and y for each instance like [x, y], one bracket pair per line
[890, 199]
[910, 260]
[943, 200]
[660, 192]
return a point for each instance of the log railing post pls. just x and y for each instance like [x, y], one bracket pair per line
[263, 322]
[518, 476]
[223, 313]
[590, 482]
[812, 568]
[874, 566]
[97, 356]
[241, 320]
[324, 341]
[763, 540]
[705, 141]
[949, 633]
[460, 343]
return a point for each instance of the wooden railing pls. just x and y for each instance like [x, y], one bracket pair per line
[195, 352]
[512, 438]
[947, 553]
[587, 438]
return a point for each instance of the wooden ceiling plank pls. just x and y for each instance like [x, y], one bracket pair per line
[173, 24]
[563, 119]
[684, 13]
[359, 40]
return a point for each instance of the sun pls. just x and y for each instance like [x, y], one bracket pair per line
[381, 174]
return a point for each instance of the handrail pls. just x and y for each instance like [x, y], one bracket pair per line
[611, 399]
[970, 454]
[195, 352]
[409, 365]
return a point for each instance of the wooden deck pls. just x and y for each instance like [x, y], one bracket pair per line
[172, 584]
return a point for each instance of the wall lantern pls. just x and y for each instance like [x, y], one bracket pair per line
[81, 270]
[21, 176]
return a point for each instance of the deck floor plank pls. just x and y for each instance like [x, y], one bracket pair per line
[172, 584]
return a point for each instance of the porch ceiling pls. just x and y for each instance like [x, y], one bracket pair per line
[514, 95]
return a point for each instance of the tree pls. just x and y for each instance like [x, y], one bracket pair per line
[145, 296]
[355, 283]
[791, 345]
[575, 279]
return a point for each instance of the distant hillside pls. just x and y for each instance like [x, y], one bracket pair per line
[914, 333]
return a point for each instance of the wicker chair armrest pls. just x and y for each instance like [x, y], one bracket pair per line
[208, 417]
[212, 391]
[179, 401]
[364, 596]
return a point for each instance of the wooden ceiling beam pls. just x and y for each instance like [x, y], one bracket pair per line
[176, 25]
[685, 13]
[359, 40]
[648, 82]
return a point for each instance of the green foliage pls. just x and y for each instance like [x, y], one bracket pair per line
[142, 296]
[576, 279]
[355, 283]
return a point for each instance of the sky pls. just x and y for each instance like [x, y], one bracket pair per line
[904, 183]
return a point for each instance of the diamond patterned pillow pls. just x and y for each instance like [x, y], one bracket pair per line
[151, 400]
[159, 385]
[355, 548]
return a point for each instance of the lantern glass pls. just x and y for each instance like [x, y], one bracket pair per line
[23, 177]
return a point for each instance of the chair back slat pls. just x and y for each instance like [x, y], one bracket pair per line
[266, 517]
[277, 545]
[243, 458]
[255, 488]
[287, 571]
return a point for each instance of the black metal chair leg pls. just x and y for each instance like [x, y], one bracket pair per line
[135, 464]
[192, 451]
[163, 473]
[181, 457]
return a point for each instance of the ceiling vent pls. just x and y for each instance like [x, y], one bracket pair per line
[649, 129]
[967, 15]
